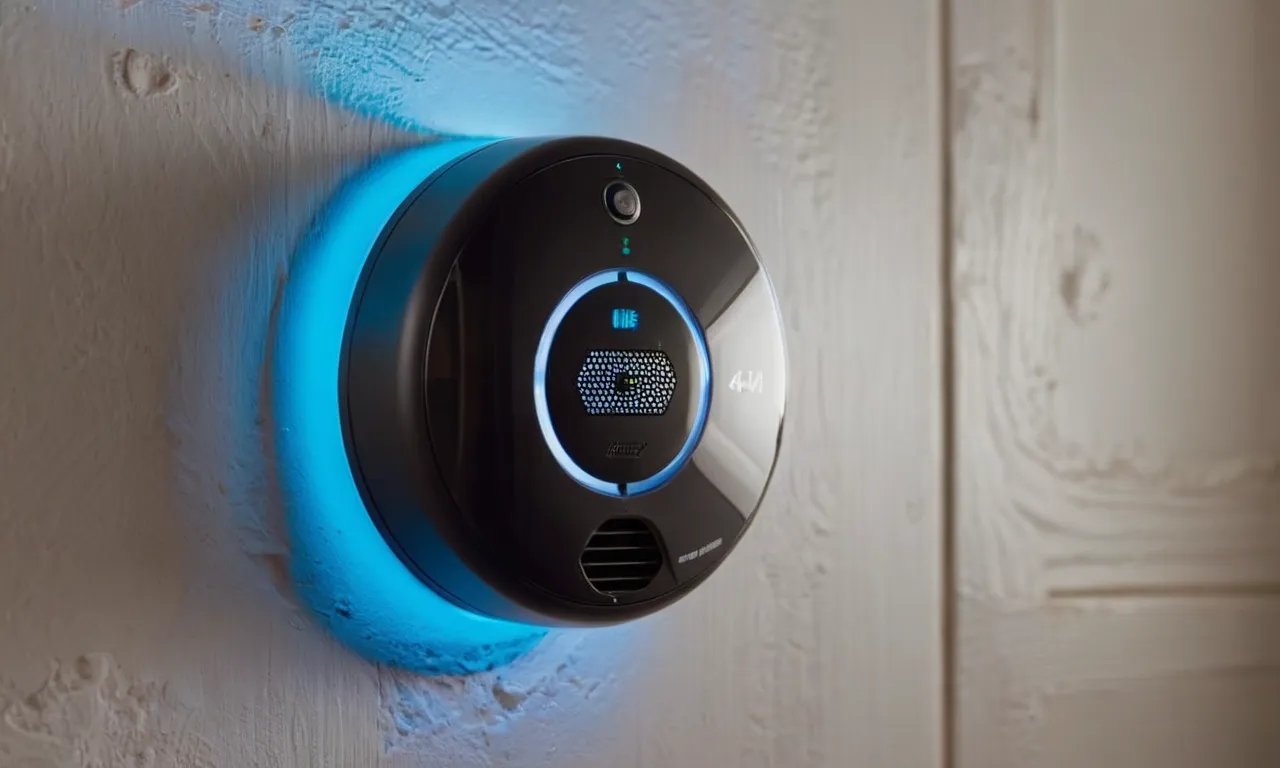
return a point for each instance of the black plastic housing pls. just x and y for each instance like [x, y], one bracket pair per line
[438, 363]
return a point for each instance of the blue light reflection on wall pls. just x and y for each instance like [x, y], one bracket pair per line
[516, 66]
[342, 568]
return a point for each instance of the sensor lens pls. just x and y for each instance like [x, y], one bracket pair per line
[622, 201]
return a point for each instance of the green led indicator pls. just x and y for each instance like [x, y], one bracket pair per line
[618, 166]
[626, 251]
[626, 246]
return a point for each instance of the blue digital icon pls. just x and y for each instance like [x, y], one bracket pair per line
[625, 319]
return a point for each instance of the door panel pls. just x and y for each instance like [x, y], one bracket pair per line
[1116, 261]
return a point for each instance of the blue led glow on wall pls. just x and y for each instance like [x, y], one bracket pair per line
[543, 354]
[341, 566]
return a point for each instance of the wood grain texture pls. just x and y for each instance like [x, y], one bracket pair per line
[1117, 382]
[160, 160]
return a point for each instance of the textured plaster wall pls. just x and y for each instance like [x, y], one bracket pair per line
[159, 159]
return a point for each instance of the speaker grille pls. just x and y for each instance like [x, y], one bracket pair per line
[626, 382]
[623, 555]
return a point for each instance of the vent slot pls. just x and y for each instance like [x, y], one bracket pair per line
[622, 556]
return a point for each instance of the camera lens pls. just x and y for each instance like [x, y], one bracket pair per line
[622, 201]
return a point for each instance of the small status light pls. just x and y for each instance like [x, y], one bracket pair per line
[618, 166]
[625, 383]
[626, 251]
[625, 319]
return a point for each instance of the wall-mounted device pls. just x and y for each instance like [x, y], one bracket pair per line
[538, 381]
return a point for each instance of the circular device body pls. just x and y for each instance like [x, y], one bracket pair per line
[560, 379]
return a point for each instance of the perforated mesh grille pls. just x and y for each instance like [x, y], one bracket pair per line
[630, 382]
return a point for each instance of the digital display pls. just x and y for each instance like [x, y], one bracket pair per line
[625, 319]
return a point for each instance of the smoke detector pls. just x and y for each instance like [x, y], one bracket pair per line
[538, 381]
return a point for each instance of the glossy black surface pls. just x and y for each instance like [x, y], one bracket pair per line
[440, 419]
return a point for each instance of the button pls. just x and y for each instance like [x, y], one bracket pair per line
[622, 201]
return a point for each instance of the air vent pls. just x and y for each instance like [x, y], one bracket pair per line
[622, 556]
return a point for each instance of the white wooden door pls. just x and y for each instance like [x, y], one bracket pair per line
[1116, 270]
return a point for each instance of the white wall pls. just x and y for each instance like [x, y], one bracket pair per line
[158, 161]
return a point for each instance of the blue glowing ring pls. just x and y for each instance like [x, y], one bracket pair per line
[341, 567]
[566, 462]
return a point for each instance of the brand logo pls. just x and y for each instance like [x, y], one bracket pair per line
[622, 449]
